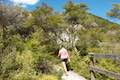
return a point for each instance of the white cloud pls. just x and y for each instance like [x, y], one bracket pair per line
[25, 2]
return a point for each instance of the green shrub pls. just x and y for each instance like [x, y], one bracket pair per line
[80, 64]
[26, 72]
[23, 75]
[48, 77]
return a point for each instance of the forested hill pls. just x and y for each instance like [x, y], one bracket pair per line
[104, 22]
[29, 41]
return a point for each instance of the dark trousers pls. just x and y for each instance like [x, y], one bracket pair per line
[67, 64]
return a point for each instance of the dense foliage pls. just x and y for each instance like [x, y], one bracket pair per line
[29, 41]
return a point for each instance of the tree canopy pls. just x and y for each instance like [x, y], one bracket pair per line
[115, 11]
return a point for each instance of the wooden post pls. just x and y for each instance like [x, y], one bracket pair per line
[92, 63]
[118, 79]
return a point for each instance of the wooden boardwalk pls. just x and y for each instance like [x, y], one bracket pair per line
[95, 69]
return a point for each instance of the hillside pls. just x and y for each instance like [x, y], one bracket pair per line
[104, 23]
[30, 41]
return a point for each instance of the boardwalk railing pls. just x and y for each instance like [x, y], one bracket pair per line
[93, 69]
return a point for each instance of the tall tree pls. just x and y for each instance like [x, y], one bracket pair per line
[10, 17]
[75, 12]
[49, 22]
[115, 11]
[74, 16]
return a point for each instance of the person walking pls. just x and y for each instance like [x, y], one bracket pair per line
[64, 56]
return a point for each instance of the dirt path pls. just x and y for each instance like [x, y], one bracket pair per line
[72, 76]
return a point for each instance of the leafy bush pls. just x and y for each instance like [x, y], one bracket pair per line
[48, 77]
[43, 66]
[8, 66]
[26, 72]
[80, 64]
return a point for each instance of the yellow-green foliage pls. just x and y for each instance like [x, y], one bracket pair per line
[7, 62]
[109, 65]
[80, 64]
[37, 35]
[26, 72]
[98, 50]
[26, 59]
[23, 75]
[48, 77]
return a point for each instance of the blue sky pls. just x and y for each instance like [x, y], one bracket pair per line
[97, 7]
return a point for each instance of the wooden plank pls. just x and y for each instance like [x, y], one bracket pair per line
[105, 72]
[115, 57]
